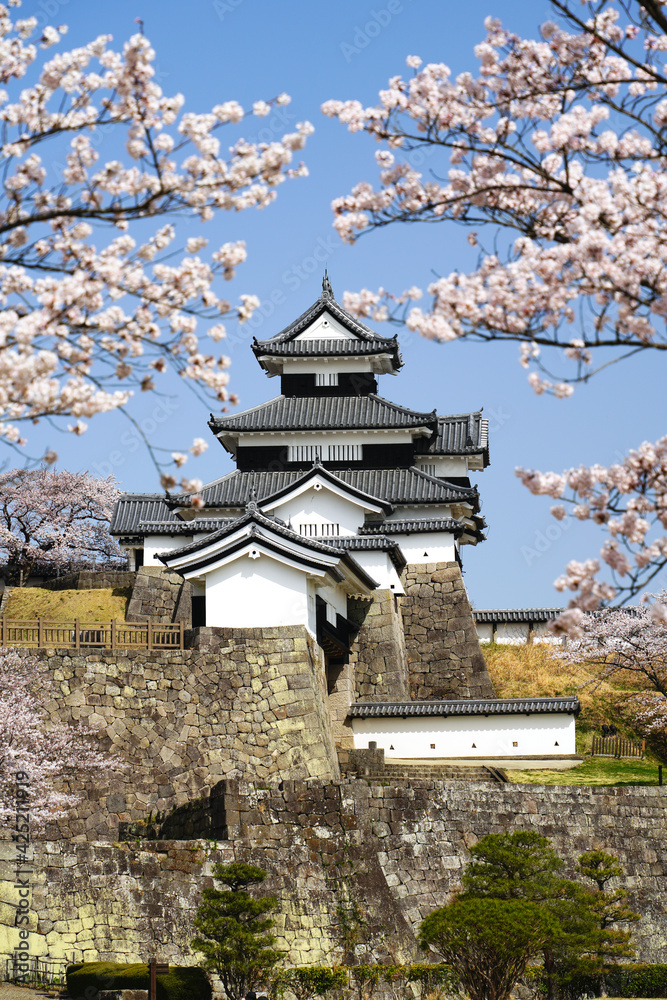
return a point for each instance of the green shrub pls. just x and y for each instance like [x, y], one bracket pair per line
[621, 981]
[180, 983]
[315, 981]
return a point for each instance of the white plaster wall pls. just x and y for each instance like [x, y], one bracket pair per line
[493, 736]
[162, 543]
[256, 593]
[420, 512]
[336, 599]
[324, 327]
[427, 546]
[379, 566]
[485, 631]
[445, 466]
[512, 633]
[319, 365]
[362, 436]
[319, 507]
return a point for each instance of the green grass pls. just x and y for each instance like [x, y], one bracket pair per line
[595, 771]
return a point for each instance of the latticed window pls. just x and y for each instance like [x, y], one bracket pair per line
[304, 452]
[430, 470]
[326, 378]
[319, 530]
[344, 453]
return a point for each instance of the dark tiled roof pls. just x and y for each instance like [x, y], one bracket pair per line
[256, 520]
[374, 543]
[325, 303]
[460, 434]
[178, 527]
[393, 485]
[325, 347]
[516, 614]
[132, 508]
[412, 527]
[472, 706]
[321, 413]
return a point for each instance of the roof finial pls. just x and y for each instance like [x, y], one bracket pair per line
[327, 290]
[251, 505]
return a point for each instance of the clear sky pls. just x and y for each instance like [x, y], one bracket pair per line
[217, 50]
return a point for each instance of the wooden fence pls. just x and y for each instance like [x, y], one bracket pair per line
[617, 746]
[39, 633]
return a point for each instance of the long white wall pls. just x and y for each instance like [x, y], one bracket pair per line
[454, 736]
[427, 546]
[161, 543]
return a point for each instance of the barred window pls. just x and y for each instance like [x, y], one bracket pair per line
[326, 378]
[304, 452]
[345, 453]
[327, 530]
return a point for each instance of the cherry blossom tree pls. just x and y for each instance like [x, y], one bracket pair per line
[40, 762]
[628, 641]
[54, 518]
[554, 157]
[98, 298]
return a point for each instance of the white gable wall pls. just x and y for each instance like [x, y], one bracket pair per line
[453, 736]
[325, 327]
[319, 507]
[256, 593]
[379, 566]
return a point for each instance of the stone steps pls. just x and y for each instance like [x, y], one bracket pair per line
[442, 772]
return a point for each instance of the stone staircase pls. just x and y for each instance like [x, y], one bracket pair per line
[371, 765]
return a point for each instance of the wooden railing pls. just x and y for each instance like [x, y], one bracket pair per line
[617, 746]
[78, 634]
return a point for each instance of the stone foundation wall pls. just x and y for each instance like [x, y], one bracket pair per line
[380, 671]
[346, 860]
[443, 652]
[163, 596]
[242, 702]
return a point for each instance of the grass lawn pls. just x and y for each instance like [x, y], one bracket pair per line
[594, 771]
[65, 605]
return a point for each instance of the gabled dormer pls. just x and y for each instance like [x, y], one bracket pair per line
[328, 352]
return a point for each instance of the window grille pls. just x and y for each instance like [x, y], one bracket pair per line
[312, 530]
[430, 470]
[345, 453]
[304, 452]
[326, 378]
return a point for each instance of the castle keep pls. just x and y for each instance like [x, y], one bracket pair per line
[330, 716]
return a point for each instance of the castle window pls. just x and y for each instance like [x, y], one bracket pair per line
[314, 530]
[304, 452]
[345, 453]
[326, 378]
[430, 470]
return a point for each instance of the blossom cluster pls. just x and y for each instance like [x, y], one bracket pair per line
[92, 307]
[57, 760]
[628, 500]
[558, 144]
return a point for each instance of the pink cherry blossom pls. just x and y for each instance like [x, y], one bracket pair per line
[91, 307]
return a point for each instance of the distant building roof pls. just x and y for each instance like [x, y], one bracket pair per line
[132, 508]
[472, 706]
[516, 614]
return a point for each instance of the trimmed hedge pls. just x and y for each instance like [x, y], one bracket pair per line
[87, 979]
[621, 981]
[362, 980]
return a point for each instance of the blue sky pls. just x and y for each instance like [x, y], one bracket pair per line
[217, 50]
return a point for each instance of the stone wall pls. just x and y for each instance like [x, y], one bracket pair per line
[242, 702]
[350, 861]
[92, 580]
[379, 650]
[158, 594]
[443, 652]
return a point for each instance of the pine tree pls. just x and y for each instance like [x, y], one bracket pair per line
[236, 940]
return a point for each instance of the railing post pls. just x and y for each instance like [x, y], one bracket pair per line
[76, 633]
[150, 633]
[113, 633]
[180, 634]
[2, 631]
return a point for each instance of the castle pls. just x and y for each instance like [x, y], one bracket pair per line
[329, 717]
[347, 510]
